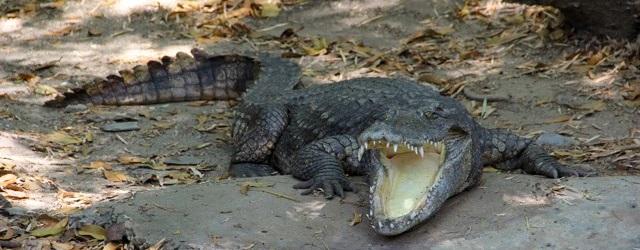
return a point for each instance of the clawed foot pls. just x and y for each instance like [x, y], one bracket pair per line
[537, 161]
[240, 170]
[330, 186]
[559, 171]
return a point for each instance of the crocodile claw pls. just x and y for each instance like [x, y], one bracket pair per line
[329, 186]
[559, 171]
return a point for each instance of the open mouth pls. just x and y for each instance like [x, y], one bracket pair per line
[409, 172]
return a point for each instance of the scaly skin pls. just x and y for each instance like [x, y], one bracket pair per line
[316, 133]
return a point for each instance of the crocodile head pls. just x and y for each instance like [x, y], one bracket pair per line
[418, 159]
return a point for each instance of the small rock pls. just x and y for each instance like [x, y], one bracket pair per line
[120, 126]
[183, 160]
[4, 203]
[111, 116]
[556, 140]
[75, 108]
[116, 232]
[16, 211]
[94, 32]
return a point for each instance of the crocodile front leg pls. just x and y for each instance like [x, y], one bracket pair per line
[321, 165]
[255, 132]
[508, 151]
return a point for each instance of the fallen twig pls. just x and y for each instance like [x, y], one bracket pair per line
[490, 98]
[278, 194]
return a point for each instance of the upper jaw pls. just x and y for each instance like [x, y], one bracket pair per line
[393, 145]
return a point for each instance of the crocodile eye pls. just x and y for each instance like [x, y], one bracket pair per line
[428, 114]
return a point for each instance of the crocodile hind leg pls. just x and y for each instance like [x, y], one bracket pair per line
[321, 165]
[255, 132]
[508, 151]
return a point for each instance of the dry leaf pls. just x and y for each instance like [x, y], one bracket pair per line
[98, 165]
[357, 218]
[88, 136]
[62, 246]
[559, 119]
[518, 18]
[163, 125]
[204, 145]
[158, 245]
[202, 120]
[112, 246]
[181, 177]
[596, 58]
[505, 37]
[95, 231]
[53, 4]
[433, 79]
[62, 138]
[116, 176]
[632, 104]
[63, 31]
[30, 78]
[7, 179]
[14, 194]
[593, 106]
[45, 90]
[575, 154]
[268, 9]
[55, 229]
[489, 170]
[9, 234]
[131, 159]
[319, 47]
[5, 113]
[6, 166]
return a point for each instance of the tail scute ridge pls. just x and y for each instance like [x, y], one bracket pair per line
[199, 76]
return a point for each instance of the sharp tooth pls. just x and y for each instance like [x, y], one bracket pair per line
[395, 148]
[366, 146]
[360, 153]
[421, 149]
[387, 144]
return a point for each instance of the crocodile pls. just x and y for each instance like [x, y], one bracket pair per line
[417, 147]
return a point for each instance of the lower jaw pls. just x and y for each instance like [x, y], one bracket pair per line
[402, 186]
[399, 195]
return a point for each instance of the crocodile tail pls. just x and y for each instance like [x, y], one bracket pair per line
[173, 79]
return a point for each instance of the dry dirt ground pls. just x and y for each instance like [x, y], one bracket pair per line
[535, 77]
